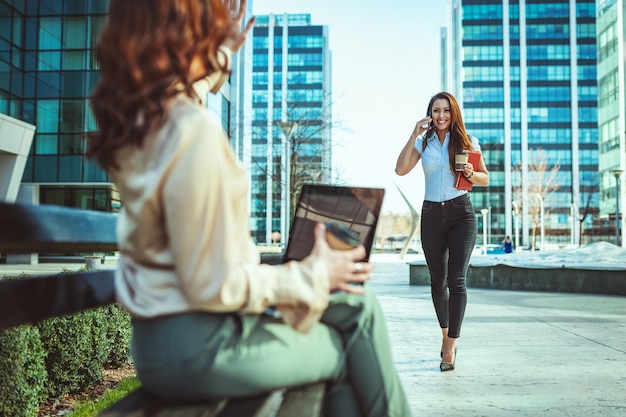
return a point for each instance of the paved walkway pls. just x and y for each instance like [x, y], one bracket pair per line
[521, 353]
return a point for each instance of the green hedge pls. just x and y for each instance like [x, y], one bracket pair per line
[118, 335]
[23, 372]
[60, 355]
[77, 349]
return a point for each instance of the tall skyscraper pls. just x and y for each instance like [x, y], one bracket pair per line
[612, 111]
[524, 72]
[291, 122]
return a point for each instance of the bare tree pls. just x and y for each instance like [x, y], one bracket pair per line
[315, 123]
[541, 183]
[587, 211]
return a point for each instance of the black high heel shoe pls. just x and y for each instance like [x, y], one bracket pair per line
[445, 367]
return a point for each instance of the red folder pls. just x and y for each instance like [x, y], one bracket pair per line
[461, 182]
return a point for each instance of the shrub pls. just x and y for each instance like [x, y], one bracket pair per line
[22, 368]
[23, 372]
[118, 336]
[60, 355]
[76, 347]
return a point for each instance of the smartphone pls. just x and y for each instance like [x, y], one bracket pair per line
[430, 125]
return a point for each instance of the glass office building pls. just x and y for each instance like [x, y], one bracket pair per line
[612, 111]
[47, 72]
[524, 72]
[290, 86]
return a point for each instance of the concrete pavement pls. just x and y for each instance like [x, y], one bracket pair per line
[520, 353]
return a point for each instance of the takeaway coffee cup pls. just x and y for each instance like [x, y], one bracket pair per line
[341, 237]
[460, 159]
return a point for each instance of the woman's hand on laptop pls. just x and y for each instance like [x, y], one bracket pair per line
[344, 266]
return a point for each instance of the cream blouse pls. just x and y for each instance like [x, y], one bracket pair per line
[183, 230]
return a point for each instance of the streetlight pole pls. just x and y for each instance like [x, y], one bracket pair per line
[484, 212]
[617, 173]
[288, 129]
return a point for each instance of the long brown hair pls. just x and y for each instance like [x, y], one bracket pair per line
[459, 139]
[145, 53]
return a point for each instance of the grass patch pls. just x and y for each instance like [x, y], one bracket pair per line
[92, 408]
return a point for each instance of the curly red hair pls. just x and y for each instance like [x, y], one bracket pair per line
[145, 52]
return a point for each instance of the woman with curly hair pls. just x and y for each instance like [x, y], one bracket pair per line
[189, 272]
[448, 221]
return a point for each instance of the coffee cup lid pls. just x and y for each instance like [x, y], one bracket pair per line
[343, 233]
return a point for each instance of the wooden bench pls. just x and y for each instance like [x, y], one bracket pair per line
[55, 229]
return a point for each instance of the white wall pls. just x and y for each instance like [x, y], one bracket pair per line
[16, 138]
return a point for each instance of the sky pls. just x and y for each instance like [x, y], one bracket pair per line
[385, 66]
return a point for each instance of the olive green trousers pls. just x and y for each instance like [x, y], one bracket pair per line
[206, 355]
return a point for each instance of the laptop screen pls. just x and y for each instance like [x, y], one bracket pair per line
[356, 207]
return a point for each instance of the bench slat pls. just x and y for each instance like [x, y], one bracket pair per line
[55, 229]
[305, 401]
[31, 300]
[141, 403]
[49, 228]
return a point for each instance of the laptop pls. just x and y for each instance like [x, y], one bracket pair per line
[356, 207]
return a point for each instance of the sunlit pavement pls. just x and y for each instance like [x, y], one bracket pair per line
[520, 353]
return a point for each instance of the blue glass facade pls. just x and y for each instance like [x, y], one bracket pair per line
[47, 70]
[528, 87]
[290, 84]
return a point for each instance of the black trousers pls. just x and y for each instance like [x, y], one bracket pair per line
[448, 238]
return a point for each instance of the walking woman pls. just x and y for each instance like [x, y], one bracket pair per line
[189, 272]
[448, 223]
